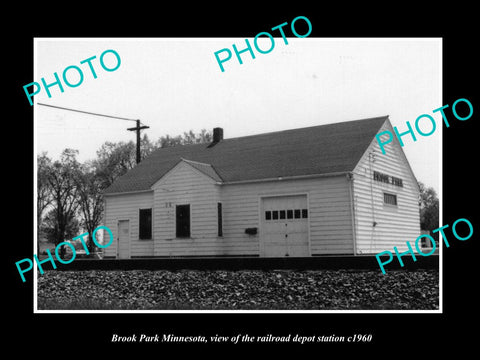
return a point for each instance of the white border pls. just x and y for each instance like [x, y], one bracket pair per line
[440, 194]
[36, 311]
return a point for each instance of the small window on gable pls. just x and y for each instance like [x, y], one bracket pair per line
[145, 224]
[390, 199]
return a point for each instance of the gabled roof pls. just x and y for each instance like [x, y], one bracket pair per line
[206, 169]
[312, 150]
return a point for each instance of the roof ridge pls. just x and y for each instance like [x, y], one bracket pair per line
[308, 127]
[273, 132]
[195, 162]
[198, 165]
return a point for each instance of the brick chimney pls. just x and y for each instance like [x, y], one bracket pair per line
[217, 136]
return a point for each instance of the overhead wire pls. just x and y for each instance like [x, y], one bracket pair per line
[87, 112]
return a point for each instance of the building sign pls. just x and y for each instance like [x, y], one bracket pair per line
[378, 176]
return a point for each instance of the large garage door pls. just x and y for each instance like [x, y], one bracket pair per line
[284, 229]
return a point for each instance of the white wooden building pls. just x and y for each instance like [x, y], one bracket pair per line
[312, 191]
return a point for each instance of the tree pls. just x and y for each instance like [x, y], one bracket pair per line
[51, 229]
[167, 140]
[89, 188]
[114, 160]
[187, 138]
[146, 146]
[44, 193]
[63, 184]
[204, 137]
[429, 209]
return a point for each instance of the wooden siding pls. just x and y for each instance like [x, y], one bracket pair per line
[185, 184]
[329, 213]
[394, 224]
[126, 207]
[330, 230]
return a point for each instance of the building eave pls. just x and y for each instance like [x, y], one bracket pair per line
[284, 178]
[128, 192]
[251, 181]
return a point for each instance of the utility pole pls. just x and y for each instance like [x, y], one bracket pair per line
[137, 129]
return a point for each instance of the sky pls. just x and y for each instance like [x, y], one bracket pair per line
[174, 85]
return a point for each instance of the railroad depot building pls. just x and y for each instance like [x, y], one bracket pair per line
[312, 191]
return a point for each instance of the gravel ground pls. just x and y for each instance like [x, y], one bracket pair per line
[233, 290]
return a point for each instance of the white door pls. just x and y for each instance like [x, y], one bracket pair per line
[284, 229]
[123, 248]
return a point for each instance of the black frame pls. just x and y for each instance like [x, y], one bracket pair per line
[220, 219]
[391, 196]
[182, 221]
[145, 224]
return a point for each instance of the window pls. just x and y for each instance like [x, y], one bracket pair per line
[289, 214]
[297, 213]
[390, 199]
[220, 219]
[286, 214]
[183, 221]
[145, 224]
[275, 214]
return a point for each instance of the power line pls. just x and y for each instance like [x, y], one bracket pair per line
[87, 112]
[137, 128]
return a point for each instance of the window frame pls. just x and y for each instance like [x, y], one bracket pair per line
[392, 196]
[304, 213]
[219, 219]
[289, 214]
[142, 227]
[179, 234]
[275, 215]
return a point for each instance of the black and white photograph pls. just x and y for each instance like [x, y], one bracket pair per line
[217, 187]
[211, 181]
